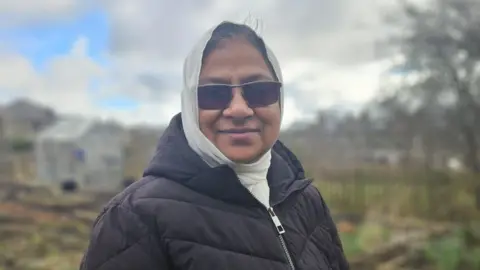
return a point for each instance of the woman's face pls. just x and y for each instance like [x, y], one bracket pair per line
[240, 132]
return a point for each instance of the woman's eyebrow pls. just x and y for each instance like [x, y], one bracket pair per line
[213, 80]
[256, 77]
[246, 79]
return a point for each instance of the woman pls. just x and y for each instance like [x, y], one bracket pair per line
[221, 191]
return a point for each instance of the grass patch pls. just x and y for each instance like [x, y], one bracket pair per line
[402, 193]
[451, 253]
[350, 244]
[365, 238]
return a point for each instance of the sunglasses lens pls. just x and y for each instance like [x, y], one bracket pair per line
[214, 97]
[261, 94]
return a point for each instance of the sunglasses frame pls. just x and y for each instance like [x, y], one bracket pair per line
[231, 86]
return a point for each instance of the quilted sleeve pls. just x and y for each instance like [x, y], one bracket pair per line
[120, 240]
[342, 263]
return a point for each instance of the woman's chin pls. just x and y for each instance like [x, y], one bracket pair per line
[240, 154]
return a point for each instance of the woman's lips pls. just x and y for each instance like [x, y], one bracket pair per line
[240, 134]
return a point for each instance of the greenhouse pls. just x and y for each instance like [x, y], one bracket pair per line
[88, 153]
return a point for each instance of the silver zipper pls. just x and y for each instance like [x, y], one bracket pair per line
[281, 231]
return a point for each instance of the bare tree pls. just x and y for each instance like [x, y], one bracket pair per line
[441, 46]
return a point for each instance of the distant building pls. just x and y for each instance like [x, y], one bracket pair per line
[455, 164]
[89, 153]
[391, 157]
[23, 119]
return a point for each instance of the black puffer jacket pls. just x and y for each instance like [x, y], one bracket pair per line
[185, 215]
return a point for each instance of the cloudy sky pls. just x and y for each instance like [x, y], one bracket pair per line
[123, 58]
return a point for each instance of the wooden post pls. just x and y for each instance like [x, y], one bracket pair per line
[477, 197]
[17, 170]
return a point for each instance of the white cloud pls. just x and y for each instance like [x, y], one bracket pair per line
[19, 12]
[148, 113]
[18, 74]
[323, 85]
[318, 30]
[326, 49]
[291, 113]
[65, 85]
[62, 84]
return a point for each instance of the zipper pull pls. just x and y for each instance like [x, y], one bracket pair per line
[276, 221]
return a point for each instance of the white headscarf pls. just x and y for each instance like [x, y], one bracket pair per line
[253, 176]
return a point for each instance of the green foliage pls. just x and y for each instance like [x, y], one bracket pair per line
[451, 253]
[372, 234]
[21, 145]
[350, 244]
[446, 253]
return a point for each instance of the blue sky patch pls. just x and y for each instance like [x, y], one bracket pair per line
[118, 103]
[43, 41]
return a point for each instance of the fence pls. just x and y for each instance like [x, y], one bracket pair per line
[435, 196]
[18, 167]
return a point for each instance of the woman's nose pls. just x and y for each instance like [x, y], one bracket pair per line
[238, 107]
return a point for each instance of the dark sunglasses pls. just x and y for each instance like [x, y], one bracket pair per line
[256, 94]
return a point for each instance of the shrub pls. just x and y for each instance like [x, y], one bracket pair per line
[451, 253]
[21, 145]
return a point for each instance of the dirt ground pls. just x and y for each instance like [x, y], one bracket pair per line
[49, 229]
[42, 229]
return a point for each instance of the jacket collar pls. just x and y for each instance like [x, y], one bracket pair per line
[176, 161]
